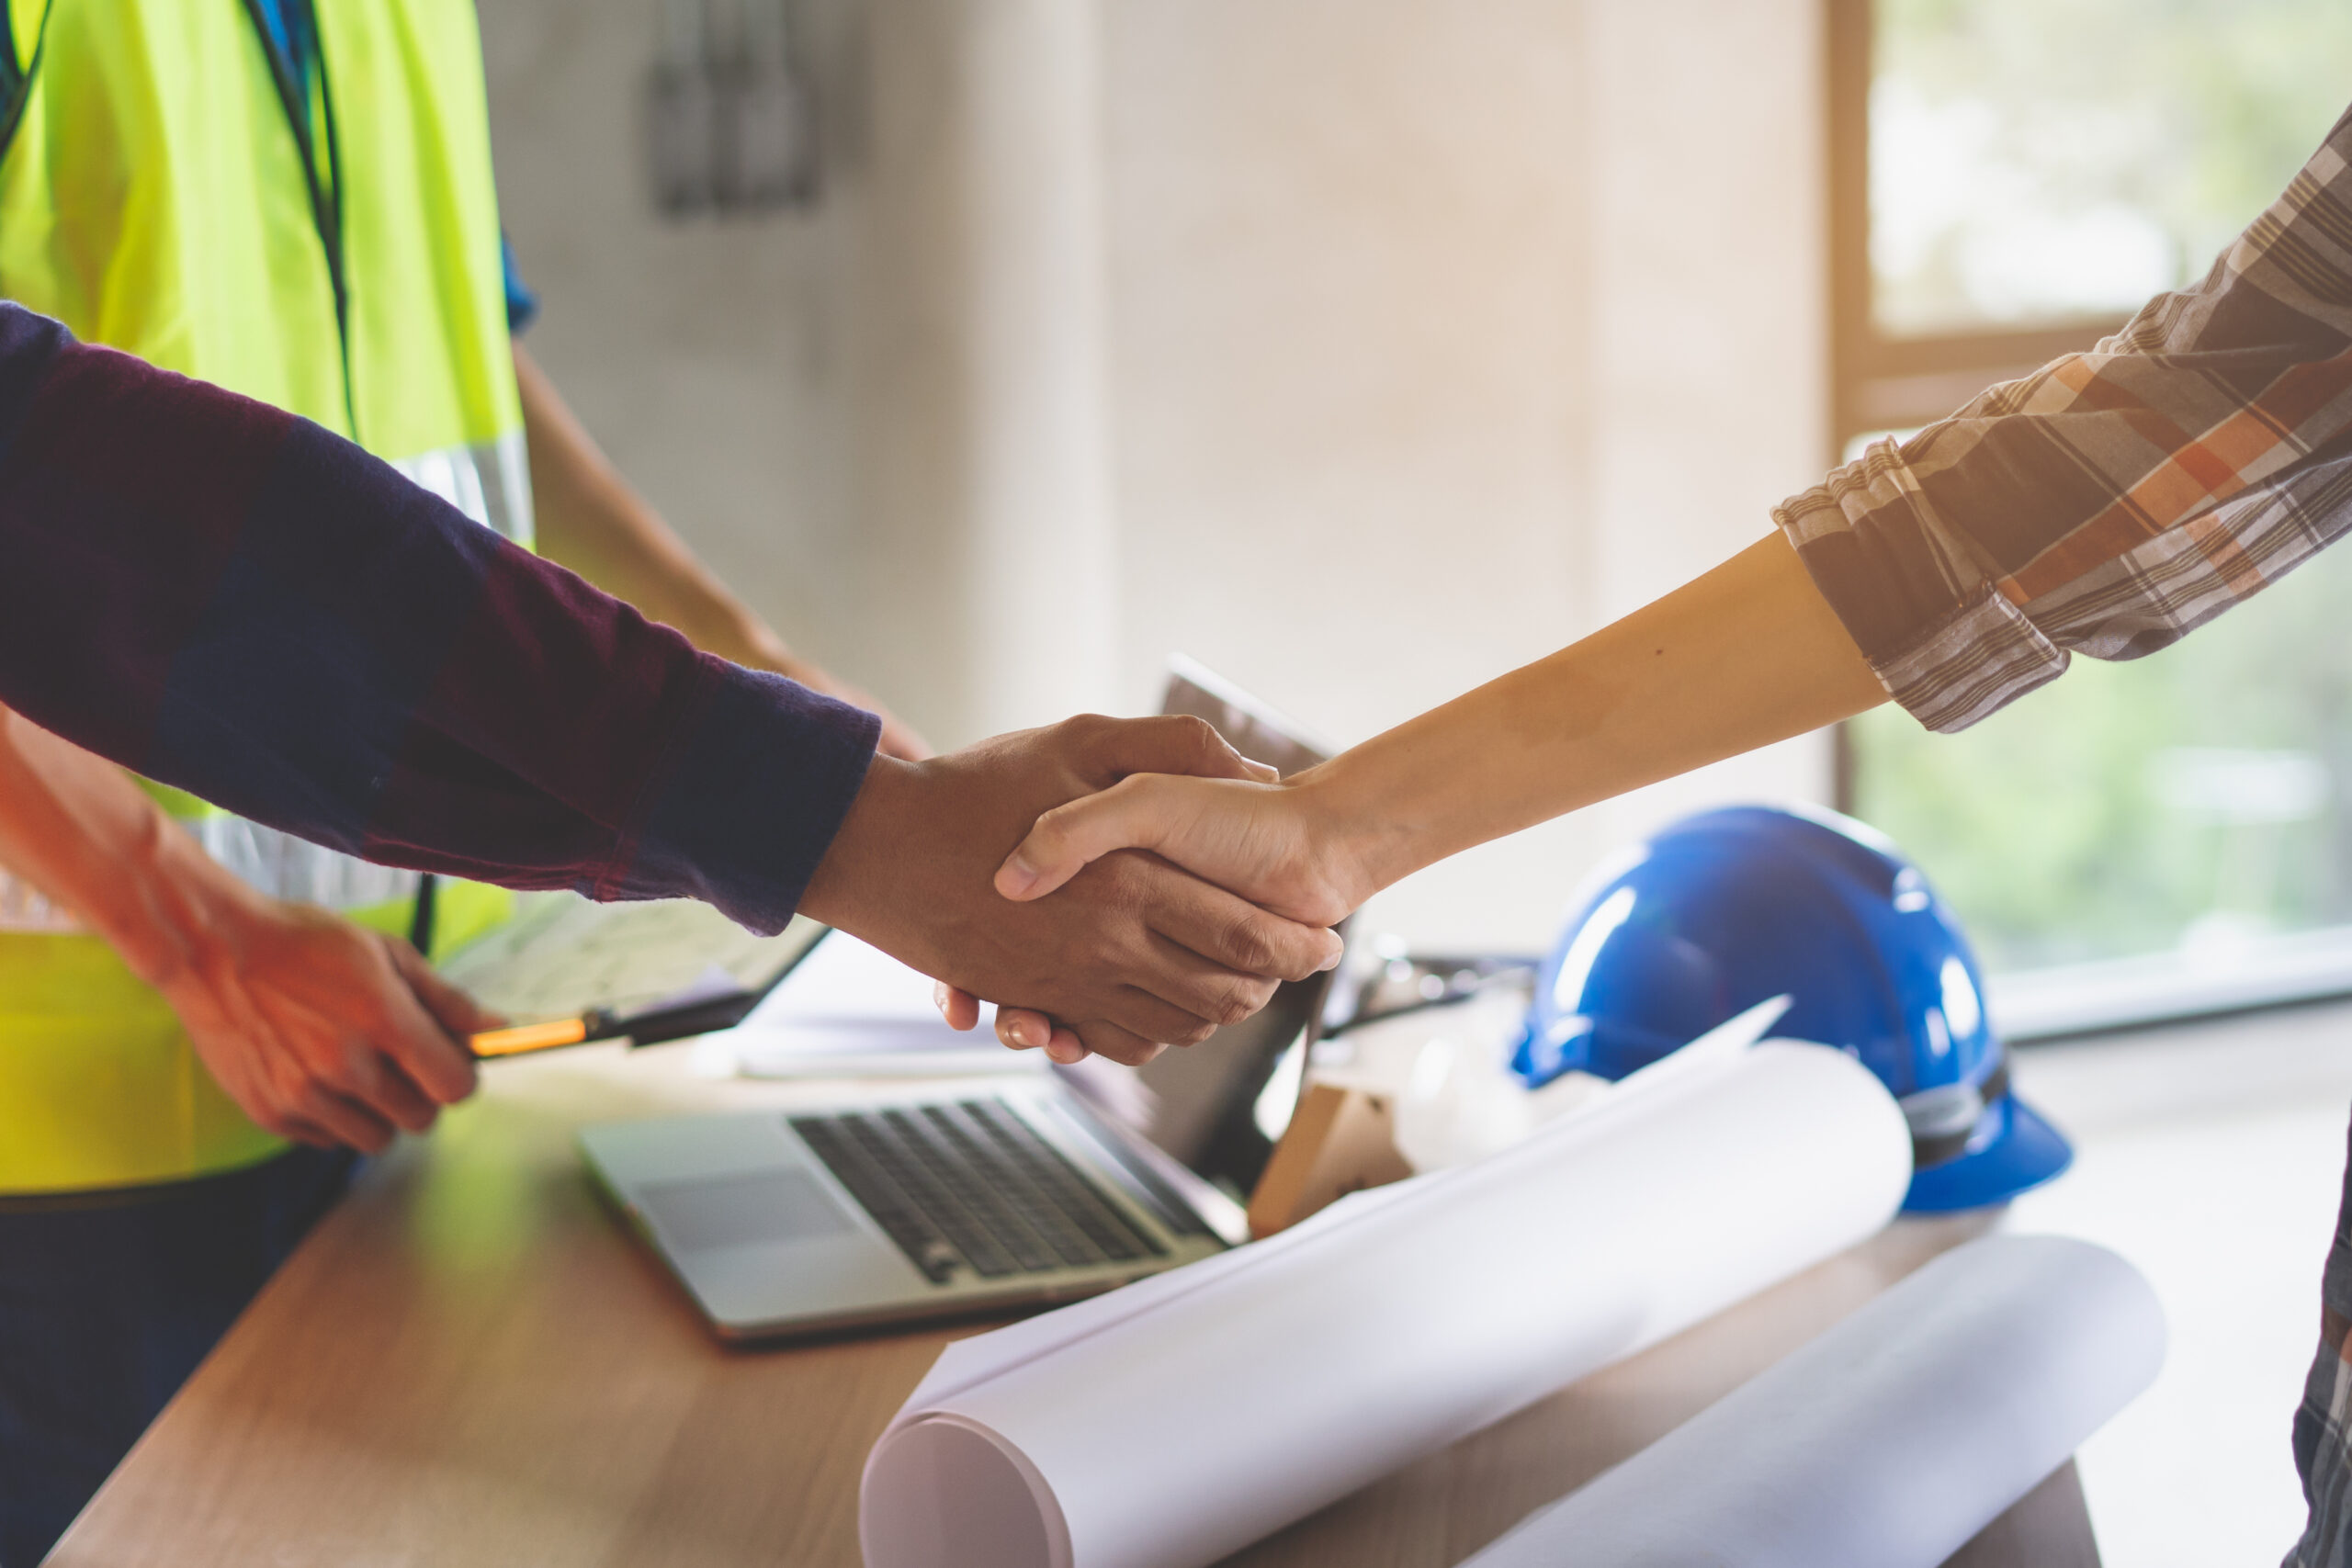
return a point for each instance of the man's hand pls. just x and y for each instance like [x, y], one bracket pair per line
[1257, 837]
[1133, 954]
[321, 1031]
[1266, 841]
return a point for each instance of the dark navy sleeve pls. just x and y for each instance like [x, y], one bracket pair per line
[234, 602]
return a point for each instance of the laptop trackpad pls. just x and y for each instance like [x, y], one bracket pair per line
[760, 1208]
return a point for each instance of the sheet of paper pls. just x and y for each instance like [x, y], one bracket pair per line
[1890, 1440]
[1168, 1426]
[844, 980]
[561, 955]
[856, 1050]
[849, 1009]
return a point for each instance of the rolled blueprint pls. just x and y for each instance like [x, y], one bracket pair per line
[1889, 1441]
[1172, 1422]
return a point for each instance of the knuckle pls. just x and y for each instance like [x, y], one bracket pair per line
[1238, 1000]
[1202, 746]
[1098, 951]
[1301, 958]
[1247, 946]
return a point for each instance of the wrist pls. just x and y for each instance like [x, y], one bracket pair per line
[1354, 847]
[848, 879]
[175, 908]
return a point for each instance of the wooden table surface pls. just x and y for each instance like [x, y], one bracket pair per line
[469, 1363]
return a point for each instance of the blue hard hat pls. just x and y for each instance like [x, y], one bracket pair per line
[1730, 907]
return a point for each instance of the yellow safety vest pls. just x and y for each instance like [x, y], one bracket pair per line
[168, 187]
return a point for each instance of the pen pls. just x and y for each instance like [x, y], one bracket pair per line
[601, 1023]
[523, 1038]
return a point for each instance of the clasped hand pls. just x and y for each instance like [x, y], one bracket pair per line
[1275, 844]
[1130, 954]
[328, 1035]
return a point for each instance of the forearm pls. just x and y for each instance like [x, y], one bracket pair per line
[589, 520]
[77, 828]
[1746, 655]
[242, 605]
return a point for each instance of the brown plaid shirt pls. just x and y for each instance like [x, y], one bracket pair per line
[2112, 501]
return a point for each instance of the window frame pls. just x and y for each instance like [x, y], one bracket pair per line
[1879, 381]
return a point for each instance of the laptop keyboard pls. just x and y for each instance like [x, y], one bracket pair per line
[971, 1183]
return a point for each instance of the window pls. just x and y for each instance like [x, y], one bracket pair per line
[2010, 178]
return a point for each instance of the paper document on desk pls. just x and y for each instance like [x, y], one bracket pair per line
[1893, 1439]
[851, 1009]
[1173, 1422]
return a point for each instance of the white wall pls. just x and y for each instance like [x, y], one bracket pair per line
[1361, 348]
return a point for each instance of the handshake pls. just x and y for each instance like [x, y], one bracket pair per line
[1115, 885]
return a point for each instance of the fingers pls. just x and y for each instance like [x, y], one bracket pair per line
[1196, 988]
[331, 1118]
[1132, 813]
[423, 1020]
[1106, 1039]
[1140, 1009]
[1237, 937]
[1021, 1029]
[960, 1008]
[1170, 743]
[454, 1012]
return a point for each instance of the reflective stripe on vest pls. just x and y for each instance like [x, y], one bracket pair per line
[164, 190]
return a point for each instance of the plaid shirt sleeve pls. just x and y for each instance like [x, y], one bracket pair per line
[232, 601]
[2114, 500]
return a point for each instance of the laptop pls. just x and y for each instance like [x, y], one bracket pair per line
[937, 1201]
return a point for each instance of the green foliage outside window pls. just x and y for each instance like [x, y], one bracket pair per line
[2033, 159]
[2195, 795]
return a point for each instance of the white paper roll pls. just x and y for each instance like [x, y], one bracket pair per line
[1174, 1421]
[1889, 1441]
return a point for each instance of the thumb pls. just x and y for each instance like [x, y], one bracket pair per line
[448, 1076]
[1131, 814]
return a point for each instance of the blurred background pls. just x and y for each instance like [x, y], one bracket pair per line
[1364, 349]
[1361, 349]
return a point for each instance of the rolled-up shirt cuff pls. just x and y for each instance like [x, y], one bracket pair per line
[1942, 638]
[1978, 660]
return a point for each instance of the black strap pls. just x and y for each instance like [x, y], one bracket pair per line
[1926, 1152]
[420, 923]
[326, 198]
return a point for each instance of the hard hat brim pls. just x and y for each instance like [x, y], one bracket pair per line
[2023, 1151]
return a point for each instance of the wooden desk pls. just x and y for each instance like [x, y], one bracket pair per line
[470, 1363]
